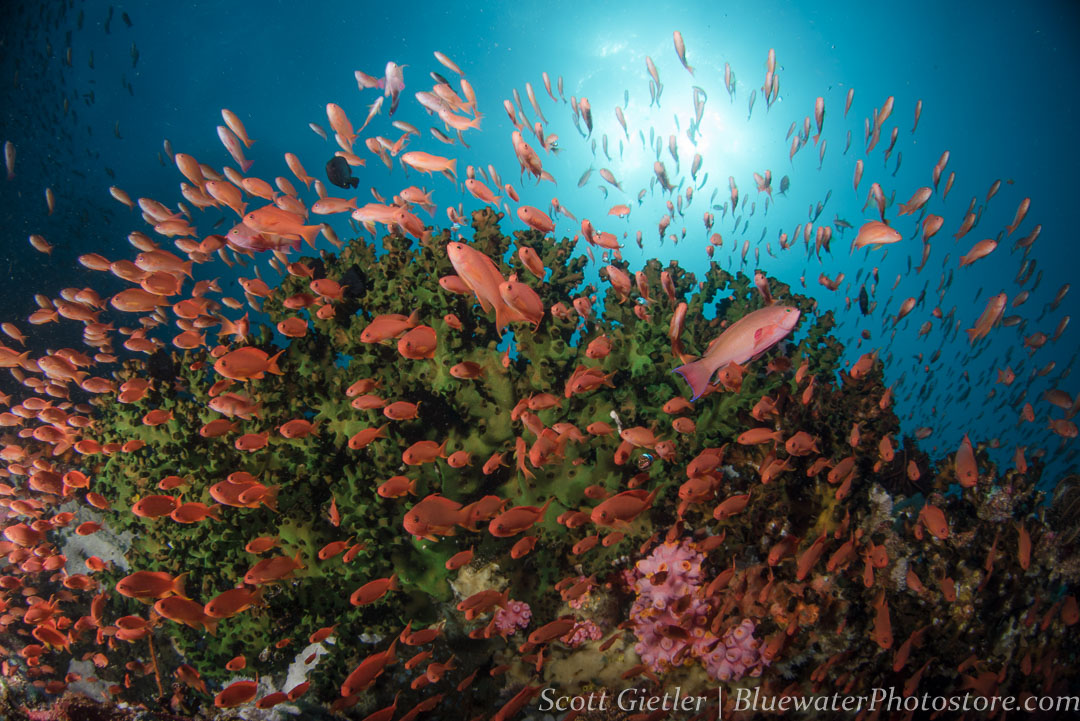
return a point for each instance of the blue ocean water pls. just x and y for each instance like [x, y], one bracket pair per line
[993, 79]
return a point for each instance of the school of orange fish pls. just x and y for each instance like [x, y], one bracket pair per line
[51, 443]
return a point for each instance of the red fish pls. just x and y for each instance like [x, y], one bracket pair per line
[368, 670]
[372, 591]
[622, 508]
[236, 694]
[515, 520]
[151, 585]
[433, 516]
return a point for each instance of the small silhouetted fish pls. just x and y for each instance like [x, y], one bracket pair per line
[864, 301]
[340, 174]
[126, 19]
[161, 366]
[354, 282]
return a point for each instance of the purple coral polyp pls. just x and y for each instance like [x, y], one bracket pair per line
[511, 619]
[728, 657]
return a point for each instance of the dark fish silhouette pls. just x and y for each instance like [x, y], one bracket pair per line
[340, 174]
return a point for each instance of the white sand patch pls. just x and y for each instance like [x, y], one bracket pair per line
[105, 544]
[299, 669]
[298, 672]
[96, 690]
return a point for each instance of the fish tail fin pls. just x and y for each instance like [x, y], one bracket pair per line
[246, 165]
[210, 624]
[272, 366]
[309, 232]
[214, 512]
[178, 585]
[393, 585]
[270, 499]
[697, 374]
[971, 333]
[500, 315]
[652, 496]
[353, 182]
[299, 560]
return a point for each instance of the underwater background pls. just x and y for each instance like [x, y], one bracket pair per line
[90, 91]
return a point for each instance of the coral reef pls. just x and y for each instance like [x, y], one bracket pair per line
[818, 554]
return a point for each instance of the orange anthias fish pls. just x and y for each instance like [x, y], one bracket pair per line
[875, 233]
[146, 585]
[882, 624]
[391, 325]
[187, 612]
[622, 508]
[372, 591]
[934, 519]
[247, 364]
[433, 516]
[515, 520]
[231, 602]
[369, 669]
[418, 343]
[482, 277]
[995, 307]
[423, 452]
[236, 694]
[750, 336]
[273, 569]
[272, 220]
[154, 506]
[967, 472]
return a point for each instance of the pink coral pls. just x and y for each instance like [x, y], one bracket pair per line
[665, 640]
[582, 600]
[584, 631]
[515, 616]
[680, 569]
[737, 654]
